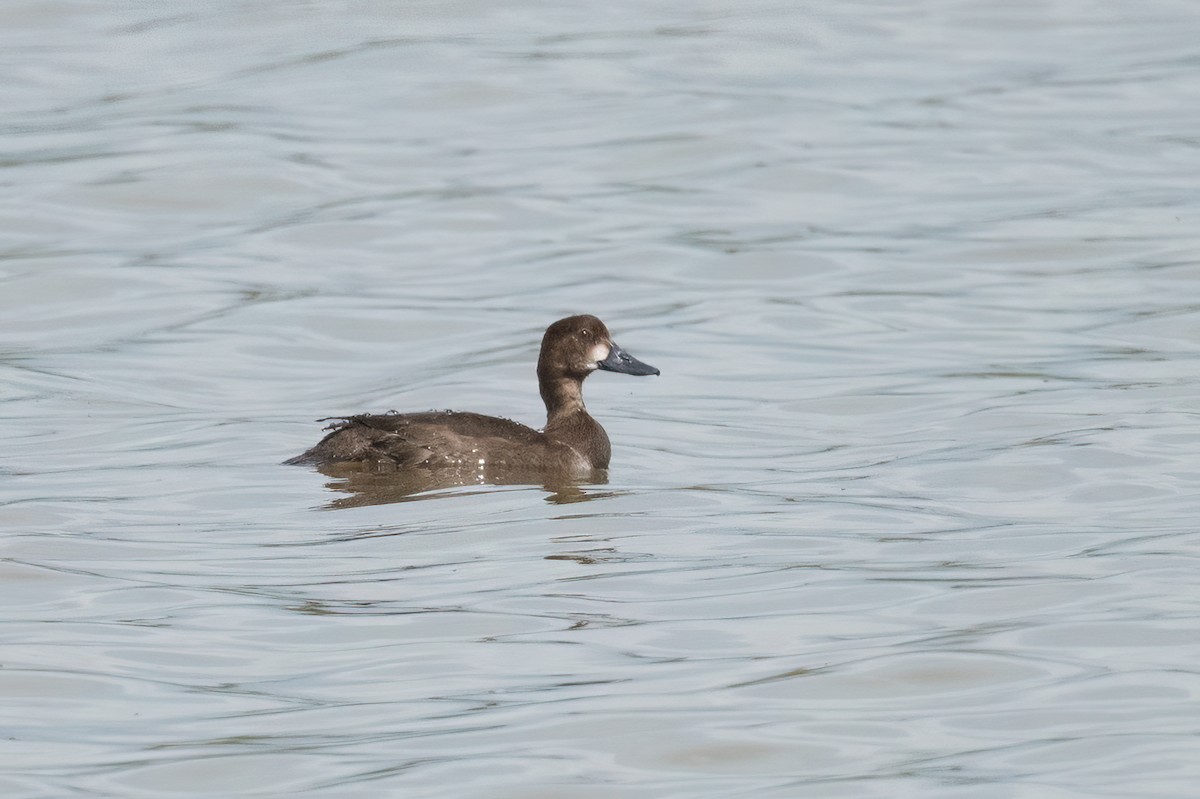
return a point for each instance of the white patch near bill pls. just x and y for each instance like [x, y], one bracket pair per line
[598, 353]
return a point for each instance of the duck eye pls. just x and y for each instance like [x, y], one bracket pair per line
[585, 333]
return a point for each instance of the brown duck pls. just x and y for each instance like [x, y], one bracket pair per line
[572, 442]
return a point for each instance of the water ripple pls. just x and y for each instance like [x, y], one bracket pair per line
[911, 510]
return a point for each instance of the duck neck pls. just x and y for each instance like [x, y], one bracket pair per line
[563, 397]
[568, 421]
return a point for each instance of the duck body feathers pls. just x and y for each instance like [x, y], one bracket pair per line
[448, 440]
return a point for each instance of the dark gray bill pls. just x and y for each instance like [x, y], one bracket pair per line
[619, 360]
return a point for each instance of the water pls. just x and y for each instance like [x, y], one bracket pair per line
[910, 512]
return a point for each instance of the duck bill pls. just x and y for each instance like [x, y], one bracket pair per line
[619, 360]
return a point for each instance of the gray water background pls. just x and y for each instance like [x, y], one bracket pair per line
[911, 512]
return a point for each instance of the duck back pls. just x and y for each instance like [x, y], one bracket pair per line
[437, 439]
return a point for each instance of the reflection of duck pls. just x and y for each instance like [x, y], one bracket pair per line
[486, 448]
[359, 485]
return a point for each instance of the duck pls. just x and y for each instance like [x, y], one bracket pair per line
[571, 442]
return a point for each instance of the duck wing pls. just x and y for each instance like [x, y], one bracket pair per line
[434, 439]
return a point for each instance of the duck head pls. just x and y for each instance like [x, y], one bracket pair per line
[579, 345]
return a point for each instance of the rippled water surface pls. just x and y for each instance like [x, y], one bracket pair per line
[911, 511]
